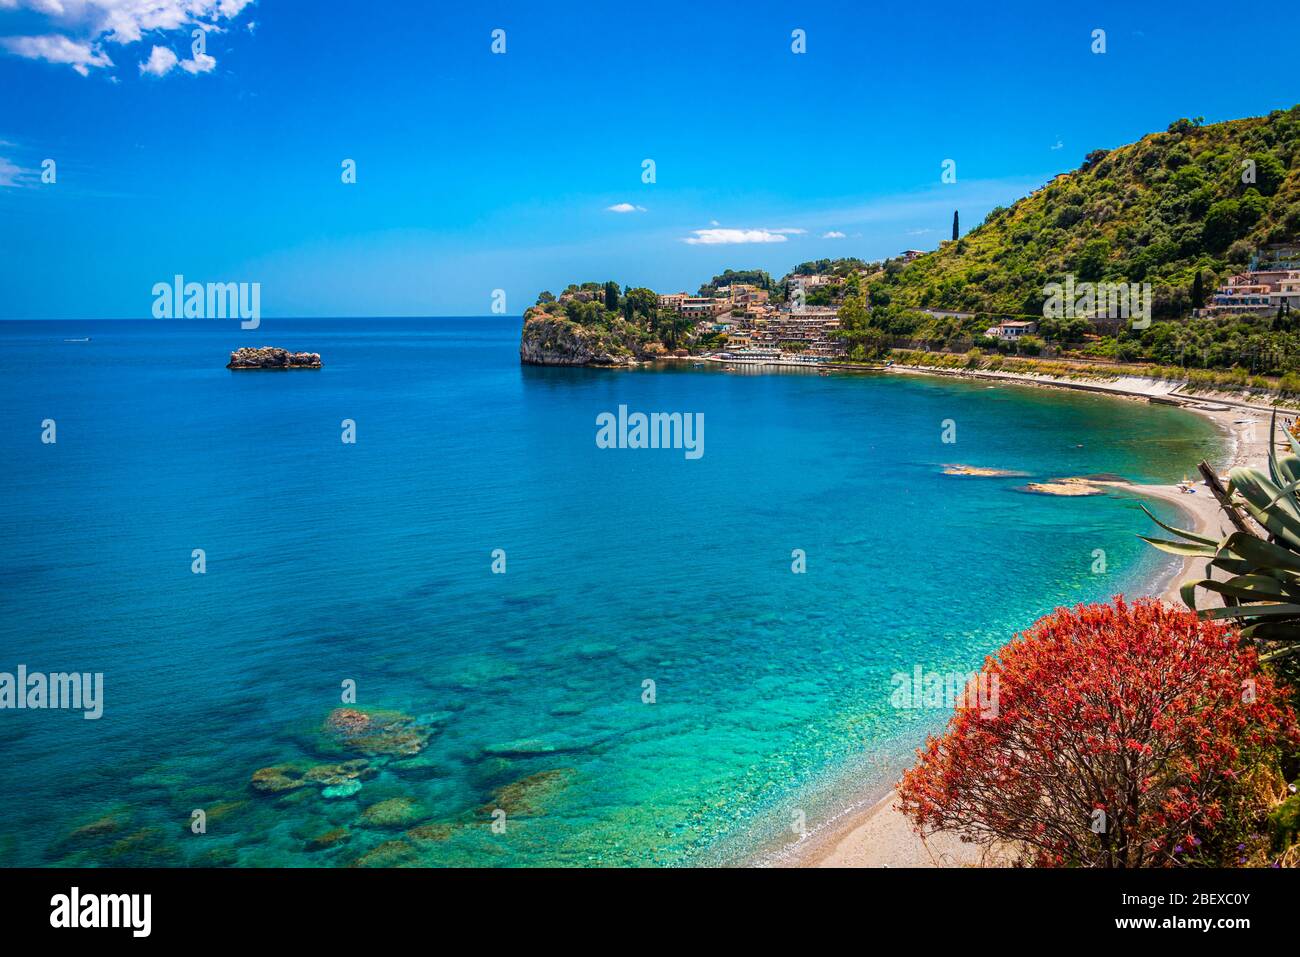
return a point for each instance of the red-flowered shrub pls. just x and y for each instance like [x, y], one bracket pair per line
[1124, 736]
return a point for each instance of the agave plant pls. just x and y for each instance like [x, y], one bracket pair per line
[1260, 560]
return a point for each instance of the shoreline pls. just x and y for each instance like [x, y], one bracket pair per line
[876, 834]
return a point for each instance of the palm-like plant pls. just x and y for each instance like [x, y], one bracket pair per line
[1260, 558]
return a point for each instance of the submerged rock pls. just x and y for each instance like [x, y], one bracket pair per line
[147, 847]
[330, 838]
[976, 471]
[221, 811]
[277, 779]
[529, 795]
[430, 832]
[377, 732]
[522, 748]
[344, 790]
[270, 357]
[108, 824]
[94, 834]
[388, 854]
[334, 775]
[395, 812]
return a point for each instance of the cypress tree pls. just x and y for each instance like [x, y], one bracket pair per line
[956, 229]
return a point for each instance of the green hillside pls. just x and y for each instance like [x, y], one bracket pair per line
[1154, 211]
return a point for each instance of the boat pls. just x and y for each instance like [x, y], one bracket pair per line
[85, 339]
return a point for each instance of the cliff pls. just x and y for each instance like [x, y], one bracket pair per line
[553, 340]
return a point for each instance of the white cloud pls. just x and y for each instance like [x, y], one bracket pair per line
[83, 27]
[624, 208]
[9, 173]
[202, 63]
[833, 234]
[161, 62]
[55, 48]
[1058, 144]
[715, 237]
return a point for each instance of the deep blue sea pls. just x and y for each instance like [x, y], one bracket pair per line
[524, 692]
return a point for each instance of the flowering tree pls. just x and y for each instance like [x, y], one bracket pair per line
[1124, 736]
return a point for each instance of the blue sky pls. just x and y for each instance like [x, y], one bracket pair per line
[478, 171]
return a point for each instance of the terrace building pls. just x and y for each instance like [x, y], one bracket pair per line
[1259, 291]
[809, 328]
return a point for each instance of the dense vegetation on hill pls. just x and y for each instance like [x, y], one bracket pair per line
[1153, 211]
[1193, 199]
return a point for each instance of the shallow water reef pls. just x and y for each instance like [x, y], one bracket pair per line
[531, 795]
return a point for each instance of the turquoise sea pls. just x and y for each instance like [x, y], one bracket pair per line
[372, 563]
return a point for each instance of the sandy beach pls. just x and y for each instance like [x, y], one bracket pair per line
[880, 836]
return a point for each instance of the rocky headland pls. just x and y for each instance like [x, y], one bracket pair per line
[553, 340]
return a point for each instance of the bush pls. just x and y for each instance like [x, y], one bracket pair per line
[1123, 736]
[1031, 345]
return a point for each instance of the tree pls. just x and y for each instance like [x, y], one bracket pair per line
[611, 296]
[863, 340]
[1092, 260]
[641, 302]
[1221, 225]
[1198, 291]
[677, 327]
[1119, 736]
[956, 229]
[1269, 172]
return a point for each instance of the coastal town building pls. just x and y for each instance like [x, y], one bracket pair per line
[1259, 291]
[807, 282]
[808, 331]
[699, 307]
[1012, 329]
[909, 255]
[741, 295]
